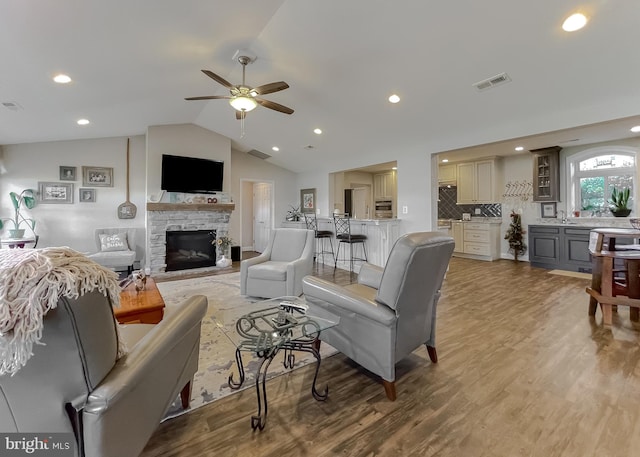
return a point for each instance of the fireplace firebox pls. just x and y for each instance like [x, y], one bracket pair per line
[190, 249]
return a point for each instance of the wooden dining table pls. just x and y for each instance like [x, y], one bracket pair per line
[605, 250]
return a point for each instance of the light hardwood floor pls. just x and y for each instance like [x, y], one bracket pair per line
[522, 371]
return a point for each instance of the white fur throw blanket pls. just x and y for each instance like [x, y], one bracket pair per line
[31, 282]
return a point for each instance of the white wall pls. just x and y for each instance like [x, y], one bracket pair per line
[184, 140]
[73, 224]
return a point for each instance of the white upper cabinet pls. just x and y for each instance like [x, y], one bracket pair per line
[384, 185]
[447, 174]
[479, 181]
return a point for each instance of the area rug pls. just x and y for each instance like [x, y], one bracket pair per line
[573, 274]
[217, 352]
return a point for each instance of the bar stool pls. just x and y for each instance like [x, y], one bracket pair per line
[342, 223]
[321, 235]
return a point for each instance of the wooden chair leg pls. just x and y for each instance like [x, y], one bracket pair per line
[185, 395]
[390, 389]
[432, 354]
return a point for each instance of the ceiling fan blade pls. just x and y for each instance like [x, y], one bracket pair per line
[210, 97]
[271, 87]
[274, 106]
[217, 78]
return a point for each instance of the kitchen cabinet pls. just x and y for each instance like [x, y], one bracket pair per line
[447, 174]
[384, 185]
[546, 174]
[476, 239]
[478, 181]
[560, 247]
[457, 232]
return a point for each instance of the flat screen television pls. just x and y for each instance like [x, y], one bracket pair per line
[190, 174]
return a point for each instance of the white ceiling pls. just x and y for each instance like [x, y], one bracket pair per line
[133, 63]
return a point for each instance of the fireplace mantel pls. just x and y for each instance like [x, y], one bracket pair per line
[191, 206]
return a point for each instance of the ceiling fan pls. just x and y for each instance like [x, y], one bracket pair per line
[244, 98]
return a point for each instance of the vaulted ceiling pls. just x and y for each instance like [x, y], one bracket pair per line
[134, 62]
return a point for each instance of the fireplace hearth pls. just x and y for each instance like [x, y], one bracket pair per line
[190, 249]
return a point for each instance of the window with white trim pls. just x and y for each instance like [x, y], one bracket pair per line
[592, 174]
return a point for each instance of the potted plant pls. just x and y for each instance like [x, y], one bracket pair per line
[619, 201]
[26, 198]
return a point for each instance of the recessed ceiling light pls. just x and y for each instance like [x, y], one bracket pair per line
[519, 148]
[394, 168]
[574, 22]
[83, 121]
[445, 160]
[275, 148]
[62, 79]
[394, 98]
[635, 129]
[317, 131]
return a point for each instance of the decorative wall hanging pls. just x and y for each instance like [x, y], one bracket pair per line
[87, 195]
[97, 176]
[67, 173]
[55, 192]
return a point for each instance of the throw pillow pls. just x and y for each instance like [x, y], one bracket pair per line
[115, 242]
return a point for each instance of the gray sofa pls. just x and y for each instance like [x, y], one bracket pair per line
[279, 270]
[390, 312]
[74, 383]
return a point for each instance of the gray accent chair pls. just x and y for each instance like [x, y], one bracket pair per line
[74, 384]
[390, 312]
[279, 270]
[115, 259]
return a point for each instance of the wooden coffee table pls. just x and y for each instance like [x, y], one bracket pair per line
[144, 307]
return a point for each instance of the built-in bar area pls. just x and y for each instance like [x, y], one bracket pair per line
[381, 235]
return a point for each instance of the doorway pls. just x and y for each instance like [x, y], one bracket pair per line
[257, 214]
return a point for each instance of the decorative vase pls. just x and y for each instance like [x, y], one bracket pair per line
[223, 262]
[621, 212]
[16, 233]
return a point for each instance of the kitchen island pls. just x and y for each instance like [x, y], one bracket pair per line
[381, 235]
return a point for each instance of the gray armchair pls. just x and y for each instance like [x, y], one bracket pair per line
[390, 312]
[74, 383]
[279, 270]
[116, 247]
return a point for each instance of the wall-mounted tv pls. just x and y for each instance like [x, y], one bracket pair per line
[191, 174]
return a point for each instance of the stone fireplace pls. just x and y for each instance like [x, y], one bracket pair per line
[182, 217]
[190, 249]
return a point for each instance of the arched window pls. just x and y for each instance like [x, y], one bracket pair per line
[592, 174]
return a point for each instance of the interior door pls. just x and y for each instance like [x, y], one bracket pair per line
[360, 204]
[261, 215]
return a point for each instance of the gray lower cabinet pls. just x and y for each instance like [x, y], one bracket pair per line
[559, 247]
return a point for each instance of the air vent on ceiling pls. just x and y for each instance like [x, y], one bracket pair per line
[488, 83]
[258, 154]
[13, 106]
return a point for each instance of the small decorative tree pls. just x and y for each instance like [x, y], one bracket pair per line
[514, 236]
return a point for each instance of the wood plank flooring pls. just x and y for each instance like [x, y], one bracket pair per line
[522, 371]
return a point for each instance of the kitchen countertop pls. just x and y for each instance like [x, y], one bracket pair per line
[476, 219]
[620, 222]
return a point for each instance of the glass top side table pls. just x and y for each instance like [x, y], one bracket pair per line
[265, 328]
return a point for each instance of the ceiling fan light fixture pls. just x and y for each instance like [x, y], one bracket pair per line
[243, 103]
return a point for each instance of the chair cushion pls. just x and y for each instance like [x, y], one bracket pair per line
[271, 271]
[114, 242]
[352, 238]
[323, 233]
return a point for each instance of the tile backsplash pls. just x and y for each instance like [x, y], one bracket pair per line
[449, 209]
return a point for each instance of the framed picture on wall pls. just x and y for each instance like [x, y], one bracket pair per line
[55, 192]
[308, 200]
[87, 195]
[548, 209]
[67, 173]
[97, 176]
